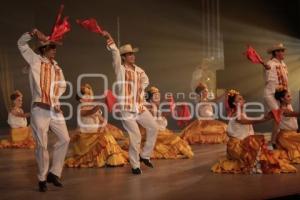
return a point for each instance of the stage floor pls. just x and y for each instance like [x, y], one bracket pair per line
[170, 179]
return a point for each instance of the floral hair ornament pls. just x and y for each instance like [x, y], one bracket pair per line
[153, 90]
[232, 93]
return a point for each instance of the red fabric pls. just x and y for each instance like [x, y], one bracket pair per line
[277, 115]
[61, 26]
[91, 25]
[253, 56]
[183, 111]
[110, 100]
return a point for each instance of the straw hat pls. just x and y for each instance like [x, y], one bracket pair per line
[127, 48]
[276, 47]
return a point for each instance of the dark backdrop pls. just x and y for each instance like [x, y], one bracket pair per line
[168, 34]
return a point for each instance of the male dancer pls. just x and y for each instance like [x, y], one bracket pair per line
[47, 84]
[275, 74]
[132, 81]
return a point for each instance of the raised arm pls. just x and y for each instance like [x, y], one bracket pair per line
[246, 120]
[28, 54]
[112, 47]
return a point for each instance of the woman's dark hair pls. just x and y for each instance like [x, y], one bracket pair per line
[15, 95]
[79, 97]
[279, 94]
[148, 96]
[230, 101]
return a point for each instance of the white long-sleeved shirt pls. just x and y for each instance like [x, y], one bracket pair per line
[130, 83]
[16, 122]
[238, 130]
[288, 123]
[47, 82]
[277, 75]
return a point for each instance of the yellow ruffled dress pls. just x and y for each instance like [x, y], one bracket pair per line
[95, 148]
[205, 131]
[247, 153]
[168, 145]
[243, 155]
[288, 140]
[115, 132]
[20, 134]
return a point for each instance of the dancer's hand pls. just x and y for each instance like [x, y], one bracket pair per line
[27, 115]
[268, 116]
[40, 36]
[107, 35]
[96, 108]
[266, 66]
[57, 109]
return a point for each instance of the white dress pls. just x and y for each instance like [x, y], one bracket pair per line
[16, 122]
[238, 130]
[206, 110]
[91, 123]
[288, 123]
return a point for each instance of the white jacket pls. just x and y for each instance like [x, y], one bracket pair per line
[47, 82]
[130, 84]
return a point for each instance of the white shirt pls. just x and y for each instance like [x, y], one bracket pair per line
[47, 81]
[129, 101]
[288, 123]
[277, 75]
[161, 121]
[90, 123]
[16, 122]
[238, 130]
[206, 110]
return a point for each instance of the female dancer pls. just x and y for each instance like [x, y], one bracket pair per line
[206, 130]
[94, 145]
[246, 152]
[21, 134]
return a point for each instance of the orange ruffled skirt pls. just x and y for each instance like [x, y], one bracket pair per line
[205, 132]
[96, 150]
[244, 156]
[19, 138]
[115, 132]
[168, 146]
[289, 142]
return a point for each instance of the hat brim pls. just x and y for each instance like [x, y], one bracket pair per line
[134, 50]
[275, 49]
[44, 44]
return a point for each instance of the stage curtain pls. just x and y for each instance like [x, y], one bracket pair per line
[6, 80]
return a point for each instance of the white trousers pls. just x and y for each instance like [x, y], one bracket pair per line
[41, 121]
[130, 123]
[272, 104]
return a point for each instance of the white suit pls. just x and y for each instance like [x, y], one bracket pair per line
[131, 103]
[277, 75]
[47, 84]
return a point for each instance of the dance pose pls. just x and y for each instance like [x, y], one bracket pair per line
[276, 74]
[47, 84]
[207, 130]
[132, 81]
[246, 152]
[21, 134]
[288, 139]
[94, 145]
